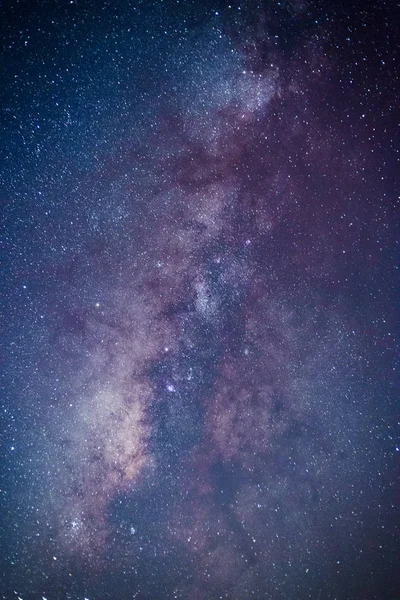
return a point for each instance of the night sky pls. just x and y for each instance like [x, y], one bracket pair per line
[200, 390]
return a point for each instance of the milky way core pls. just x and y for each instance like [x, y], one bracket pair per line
[199, 357]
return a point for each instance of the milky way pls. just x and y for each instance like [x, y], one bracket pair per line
[199, 357]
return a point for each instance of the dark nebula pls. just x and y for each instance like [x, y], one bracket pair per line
[199, 366]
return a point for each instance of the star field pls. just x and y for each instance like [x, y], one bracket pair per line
[199, 360]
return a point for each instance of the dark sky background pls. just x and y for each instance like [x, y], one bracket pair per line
[199, 370]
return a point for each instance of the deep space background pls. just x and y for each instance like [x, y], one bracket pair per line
[199, 368]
